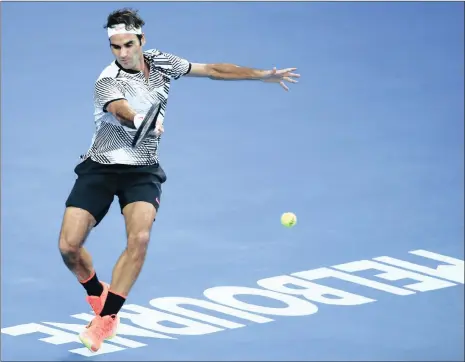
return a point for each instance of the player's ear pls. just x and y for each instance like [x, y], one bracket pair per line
[142, 40]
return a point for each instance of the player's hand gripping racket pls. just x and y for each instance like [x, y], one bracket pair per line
[147, 125]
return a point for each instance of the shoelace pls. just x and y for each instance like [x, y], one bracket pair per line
[101, 327]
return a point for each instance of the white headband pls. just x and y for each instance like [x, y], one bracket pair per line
[121, 29]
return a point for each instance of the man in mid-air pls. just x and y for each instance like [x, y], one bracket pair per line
[111, 167]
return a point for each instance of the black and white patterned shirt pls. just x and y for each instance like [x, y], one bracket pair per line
[111, 142]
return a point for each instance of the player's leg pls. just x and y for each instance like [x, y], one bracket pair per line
[76, 226]
[139, 196]
[139, 217]
[86, 206]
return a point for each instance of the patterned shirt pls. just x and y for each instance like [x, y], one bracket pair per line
[111, 142]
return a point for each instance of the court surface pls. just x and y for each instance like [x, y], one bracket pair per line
[367, 150]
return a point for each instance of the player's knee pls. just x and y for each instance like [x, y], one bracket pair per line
[138, 243]
[68, 247]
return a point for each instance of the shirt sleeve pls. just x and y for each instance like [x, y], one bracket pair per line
[107, 90]
[180, 65]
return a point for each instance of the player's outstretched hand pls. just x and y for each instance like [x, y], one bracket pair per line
[280, 76]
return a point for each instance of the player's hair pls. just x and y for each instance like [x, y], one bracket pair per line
[127, 16]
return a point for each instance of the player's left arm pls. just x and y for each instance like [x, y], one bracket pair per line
[226, 71]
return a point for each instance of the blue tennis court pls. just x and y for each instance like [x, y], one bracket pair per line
[367, 150]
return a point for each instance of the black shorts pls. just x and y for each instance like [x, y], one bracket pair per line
[98, 184]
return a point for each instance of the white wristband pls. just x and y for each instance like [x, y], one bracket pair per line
[138, 118]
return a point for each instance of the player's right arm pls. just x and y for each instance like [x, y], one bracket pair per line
[111, 98]
[122, 111]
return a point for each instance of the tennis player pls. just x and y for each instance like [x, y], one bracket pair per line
[123, 93]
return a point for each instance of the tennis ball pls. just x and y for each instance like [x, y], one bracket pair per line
[288, 219]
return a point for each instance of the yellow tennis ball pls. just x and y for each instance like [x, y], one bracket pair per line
[288, 219]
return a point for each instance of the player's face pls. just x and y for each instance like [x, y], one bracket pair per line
[127, 49]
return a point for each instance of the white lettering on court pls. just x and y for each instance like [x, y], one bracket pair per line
[453, 270]
[126, 330]
[312, 291]
[322, 273]
[426, 283]
[173, 305]
[287, 289]
[151, 319]
[58, 337]
[294, 306]
[77, 328]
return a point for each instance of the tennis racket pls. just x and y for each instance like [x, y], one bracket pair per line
[147, 124]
